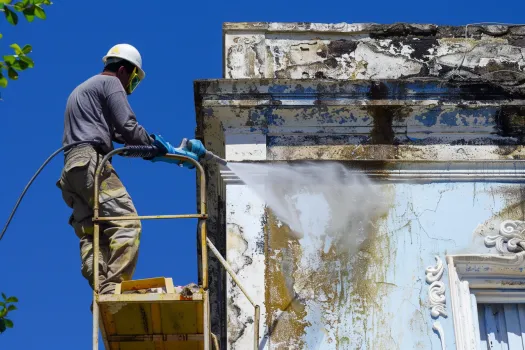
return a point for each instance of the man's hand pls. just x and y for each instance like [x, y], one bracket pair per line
[166, 148]
[197, 147]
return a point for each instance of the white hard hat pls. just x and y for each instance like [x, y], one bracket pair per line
[126, 52]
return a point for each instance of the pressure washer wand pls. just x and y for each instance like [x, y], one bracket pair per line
[210, 156]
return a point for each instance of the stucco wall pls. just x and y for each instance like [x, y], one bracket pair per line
[371, 51]
[317, 298]
[413, 107]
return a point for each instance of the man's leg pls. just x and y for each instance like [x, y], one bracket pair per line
[86, 257]
[76, 186]
[123, 236]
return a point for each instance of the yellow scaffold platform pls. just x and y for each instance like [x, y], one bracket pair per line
[152, 314]
[160, 320]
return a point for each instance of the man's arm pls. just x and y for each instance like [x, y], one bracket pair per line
[127, 128]
[118, 138]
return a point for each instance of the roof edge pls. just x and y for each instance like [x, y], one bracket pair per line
[393, 29]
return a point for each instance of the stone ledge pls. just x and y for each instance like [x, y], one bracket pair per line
[379, 30]
[386, 89]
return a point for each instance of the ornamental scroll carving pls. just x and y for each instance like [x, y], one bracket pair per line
[511, 237]
[436, 295]
[436, 291]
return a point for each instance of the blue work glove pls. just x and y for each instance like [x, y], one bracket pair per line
[165, 147]
[198, 148]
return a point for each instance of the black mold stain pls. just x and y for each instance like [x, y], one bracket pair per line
[517, 41]
[510, 121]
[336, 48]
[340, 47]
[378, 90]
[421, 46]
[382, 132]
[322, 53]
[331, 62]
[401, 29]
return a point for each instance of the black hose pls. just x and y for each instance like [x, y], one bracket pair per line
[146, 152]
[93, 142]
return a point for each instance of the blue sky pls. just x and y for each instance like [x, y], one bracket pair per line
[180, 43]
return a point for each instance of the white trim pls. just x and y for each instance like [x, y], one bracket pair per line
[413, 171]
[481, 278]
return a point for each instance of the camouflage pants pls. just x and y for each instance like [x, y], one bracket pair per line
[119, 240]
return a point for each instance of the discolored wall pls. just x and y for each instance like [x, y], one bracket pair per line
[413, 107]
[371, 51]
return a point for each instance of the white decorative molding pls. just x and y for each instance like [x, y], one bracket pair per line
[477, 278]
[438, 328]
[511, 238]
[434, 273]
[436, 291]
[435, 171]
[436, 296]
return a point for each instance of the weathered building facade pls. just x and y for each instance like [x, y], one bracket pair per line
[435, 116]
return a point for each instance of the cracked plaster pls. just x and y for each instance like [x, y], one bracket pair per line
[350, 302]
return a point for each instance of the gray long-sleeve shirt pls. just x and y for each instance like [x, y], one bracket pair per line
[99, 108]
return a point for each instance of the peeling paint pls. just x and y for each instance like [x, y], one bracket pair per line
[387, 100]
[374, 52]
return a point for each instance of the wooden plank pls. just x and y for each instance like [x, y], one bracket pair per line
[145, 298]
[156, 325]
[156, 282]
[512, 323]
[153, 324]
[170, 288]
[140, 338]
[108, 327]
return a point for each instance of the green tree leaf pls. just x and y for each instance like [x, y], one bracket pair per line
[11, 16]
[20, 65]
[9, 60]
[3, 81]
[1, 35]
[27, 49]
[12, 300]
[28, 60]
[12, 73]
[3, 312]
[40, 13]
[12, 308]
[5, 1]
[3, 295]
[2, 326]
[19, 6]
[29, 14]
[8, 323]
[17, 49]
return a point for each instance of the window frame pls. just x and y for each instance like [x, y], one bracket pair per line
[482, 278]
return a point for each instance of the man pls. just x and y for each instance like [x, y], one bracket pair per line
[98, 109]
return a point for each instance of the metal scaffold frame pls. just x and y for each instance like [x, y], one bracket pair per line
[204, 241]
